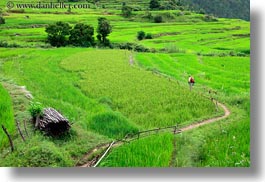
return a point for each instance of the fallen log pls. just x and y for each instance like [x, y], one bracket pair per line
[52, 122]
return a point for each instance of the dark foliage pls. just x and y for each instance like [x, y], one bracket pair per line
[158, 19]
[149, 36]
[2, 20]
[103, 30]
[140, 35]
[58, 33]
[133, 46]
[154, 4]
[82, 35]
[225, 8]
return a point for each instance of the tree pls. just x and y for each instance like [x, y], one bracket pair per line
[140, 35]
[126, 11]
[154, 4]
[82, 35]
[57, 33]
[2, 20]
[103, 30]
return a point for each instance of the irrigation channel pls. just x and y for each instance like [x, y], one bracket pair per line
[96, 155]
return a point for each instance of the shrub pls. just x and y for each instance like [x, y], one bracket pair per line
[2, 20]
[112, 124]
[149, 36]
[140, 35]
[133, 46]
[127, 45]
[158, 19]
[35, 109]
[7, 45]
[140, 48]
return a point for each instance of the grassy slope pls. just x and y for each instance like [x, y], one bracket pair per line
[147, 100]
[228, 140]
[6, 115]
[40, 72]
[225, 143]
[196, 37]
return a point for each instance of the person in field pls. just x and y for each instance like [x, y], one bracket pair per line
[191, 82]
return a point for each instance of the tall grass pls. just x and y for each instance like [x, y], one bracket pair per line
[40, 72]
[154, 151]
[6, 115]
[146, 99]
[226, 143]
[112, 124]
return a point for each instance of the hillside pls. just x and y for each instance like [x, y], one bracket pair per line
[130, 85]
[225, 8]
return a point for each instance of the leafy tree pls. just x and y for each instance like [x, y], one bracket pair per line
[126, 11]
[2, 20]
[140, 35]
[154, 4]
[103, 30]
[57, 33]
[82, 35]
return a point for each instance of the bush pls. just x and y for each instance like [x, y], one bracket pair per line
[140, 48]
[158, 19]
[140, 35]
[133, 46]
[112, 124]
[127, 45]
[35, 109]
[2, 20]
[7, 45]
[149, 36]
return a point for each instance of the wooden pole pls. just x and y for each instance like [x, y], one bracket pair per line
[25, 128]
[9, 138]
[19, 130]
[104, 154]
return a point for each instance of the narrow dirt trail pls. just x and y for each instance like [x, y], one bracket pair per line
[187, 128]
[207, 121]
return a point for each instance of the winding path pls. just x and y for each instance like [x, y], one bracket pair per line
[186, 128]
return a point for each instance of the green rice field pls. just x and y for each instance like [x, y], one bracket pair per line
[107, 93]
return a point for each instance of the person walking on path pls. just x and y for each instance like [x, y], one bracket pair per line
[191, 82]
